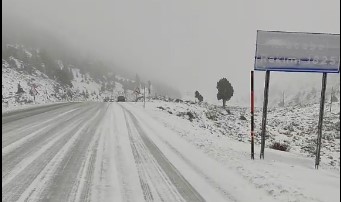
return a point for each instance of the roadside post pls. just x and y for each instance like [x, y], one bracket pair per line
[319, 129]
[252, 117]
[296, 52]
[265, 113]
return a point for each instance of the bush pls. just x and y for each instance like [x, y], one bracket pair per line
[179, 100]
[280, 146]
[161, 108]
[211, 115]
[242, 117]
[190, 115]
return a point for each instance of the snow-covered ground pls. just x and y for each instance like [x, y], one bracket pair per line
[287, 176]
[11, 78]
[123, 152]
[293, 126]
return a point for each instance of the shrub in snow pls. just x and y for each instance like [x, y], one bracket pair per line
[190, 115]
[161, 108]
[211, 115]
[242, 117]
[279, 146]
[337, 126]
[179, 101]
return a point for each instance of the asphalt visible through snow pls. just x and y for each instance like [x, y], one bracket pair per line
[86, 152]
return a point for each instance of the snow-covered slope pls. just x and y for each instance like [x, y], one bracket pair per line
[55, 80]
[285, 176]
[294, 126]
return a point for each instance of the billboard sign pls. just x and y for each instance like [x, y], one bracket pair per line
[297, 52]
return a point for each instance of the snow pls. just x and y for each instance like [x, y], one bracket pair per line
[206, 146]
[129, 153]
[49, 90]
[10, 80]
[186, 158]
[84, 83]
[19, 64]
[286, 176]
[60, 64]
[37, 186]
[294, 126]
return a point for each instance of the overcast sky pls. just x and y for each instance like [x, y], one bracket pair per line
[190, 44]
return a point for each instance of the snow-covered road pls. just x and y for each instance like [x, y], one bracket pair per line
[108, 152]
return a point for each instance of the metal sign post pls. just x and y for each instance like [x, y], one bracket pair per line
[331, 100]
[296, 52]
[265, 110]
[252, 117]
[319, 130]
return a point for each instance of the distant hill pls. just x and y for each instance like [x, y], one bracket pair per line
[46, 78]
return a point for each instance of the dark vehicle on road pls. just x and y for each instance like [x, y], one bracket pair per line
[106, 99]
[121, 99]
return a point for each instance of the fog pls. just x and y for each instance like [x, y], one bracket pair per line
[189, 44]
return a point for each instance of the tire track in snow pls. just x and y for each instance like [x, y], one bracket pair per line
[213, 183]
[187, 192]
[106, 184]
[123, 159]
[11, 159]
[176, 151]
[14, 130]
[17, 186]
[14, 145]
[153, 178]
[27, 170]
[81, 191]
[68, 180]
[29, 112]
[33, 191]
[27, 161]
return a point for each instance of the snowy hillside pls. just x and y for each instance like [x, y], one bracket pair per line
[44, 80]
[295, 127]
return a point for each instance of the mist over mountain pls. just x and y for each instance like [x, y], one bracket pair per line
[21, 38]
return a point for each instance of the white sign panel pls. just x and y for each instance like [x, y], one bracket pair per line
[297, 52]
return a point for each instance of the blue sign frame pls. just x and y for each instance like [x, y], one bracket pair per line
[297, 52]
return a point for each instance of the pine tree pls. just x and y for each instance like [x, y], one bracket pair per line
[225, 90]
[198, 96]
